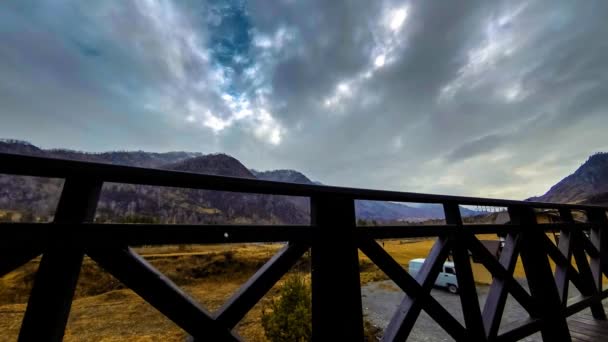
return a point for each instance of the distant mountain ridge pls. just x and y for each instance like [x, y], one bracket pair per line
[288, 176]
[185, 205]
[213, 164]
[370, 210]
[133, 203]
[588, 184]
[128, 158]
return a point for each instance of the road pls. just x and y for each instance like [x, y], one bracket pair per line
[381, 299]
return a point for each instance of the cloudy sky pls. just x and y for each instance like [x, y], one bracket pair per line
[486, 98]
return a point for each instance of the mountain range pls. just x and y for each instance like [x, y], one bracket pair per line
[37, 197]
[588, 184]
[370, 210]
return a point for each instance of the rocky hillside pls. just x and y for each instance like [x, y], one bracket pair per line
[36, 198]
[589, 184]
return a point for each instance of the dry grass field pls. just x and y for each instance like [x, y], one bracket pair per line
[403, 252]
[103, 310]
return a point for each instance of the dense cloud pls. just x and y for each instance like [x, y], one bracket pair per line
[487, 98]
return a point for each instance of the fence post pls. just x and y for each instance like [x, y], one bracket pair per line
[464, 274]
[336, 288]
[585, 268]
[50, 300]
[539, 275]
[599, 238]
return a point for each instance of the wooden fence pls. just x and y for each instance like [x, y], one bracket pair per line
[334, 240]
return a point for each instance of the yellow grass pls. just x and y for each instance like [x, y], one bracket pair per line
[121, 315]
[403, 252]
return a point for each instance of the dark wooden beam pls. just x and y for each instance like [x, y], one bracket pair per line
[564, 271]
[540, 277]
[109, 235]
[403, 321]
[158, 290]
[497, 295]
[258, 285]
[12, 258]
[411, 287]
[599, 239]
[50, 300]
[498, 271]
[467, 289]
[337, 314]
[57, 168]
[588, 246]
[588, 284]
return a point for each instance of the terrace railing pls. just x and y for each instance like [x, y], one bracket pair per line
[333, 239]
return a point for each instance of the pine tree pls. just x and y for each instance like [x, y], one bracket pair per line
[289, 318]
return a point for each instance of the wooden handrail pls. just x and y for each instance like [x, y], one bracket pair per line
[333, 239]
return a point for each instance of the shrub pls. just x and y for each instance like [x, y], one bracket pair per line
[289, 317]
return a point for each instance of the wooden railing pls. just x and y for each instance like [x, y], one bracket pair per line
[333, 239]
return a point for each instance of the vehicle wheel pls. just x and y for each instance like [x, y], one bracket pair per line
[452, 289]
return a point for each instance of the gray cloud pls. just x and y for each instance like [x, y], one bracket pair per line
[499, 98]
[472, 148]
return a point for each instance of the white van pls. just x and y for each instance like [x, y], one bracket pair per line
[446, 278]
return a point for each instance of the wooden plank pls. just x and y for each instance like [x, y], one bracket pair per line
[588, 284]
[158, 290]
[50, 300]
[411, 287]
[599, 239]
[540, 277]
[591, 321]
[595, 331]
[108, 235]
[258, 285]
[579, 303]
[498, 271]
[497, 295]
[590, 247]
[564, 271]
[467, 289]
[403, 321]
[337, 312]
[578, 336]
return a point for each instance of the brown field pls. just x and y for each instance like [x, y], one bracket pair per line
[103, 310]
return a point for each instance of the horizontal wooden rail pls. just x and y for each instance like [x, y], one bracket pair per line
[59, 168]
[332, 238]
